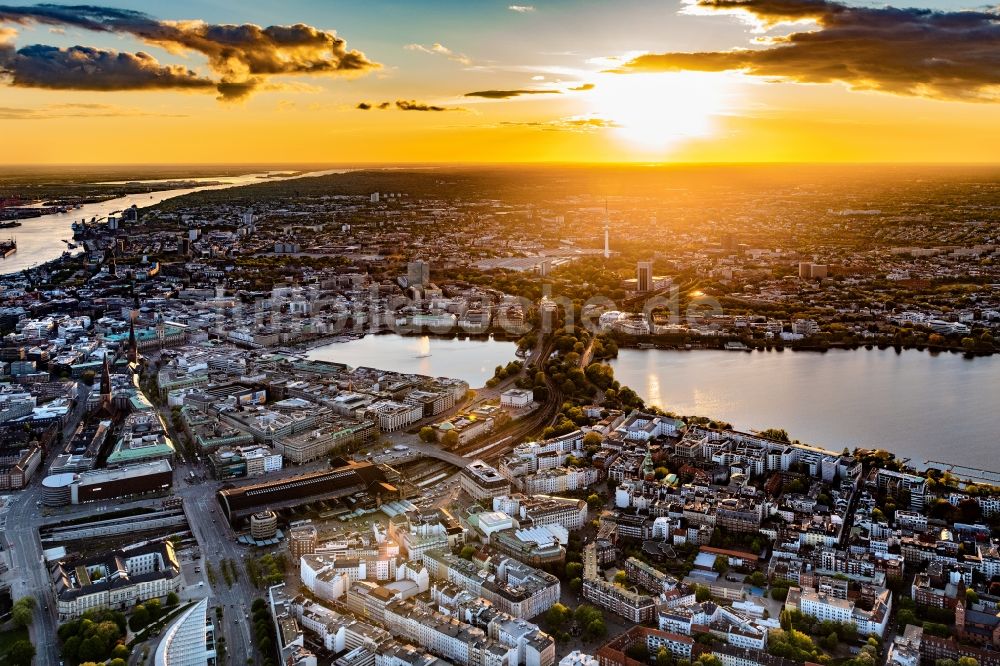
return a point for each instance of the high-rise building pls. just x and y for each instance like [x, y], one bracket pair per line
[644, 276]
[809, 270]
[418, 273]
[375, 197]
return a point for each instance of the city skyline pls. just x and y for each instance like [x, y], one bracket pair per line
[559, 81]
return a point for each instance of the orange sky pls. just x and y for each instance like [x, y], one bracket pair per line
[684, 116]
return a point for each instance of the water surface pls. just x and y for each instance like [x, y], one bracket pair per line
[916, 404]
[473, 360]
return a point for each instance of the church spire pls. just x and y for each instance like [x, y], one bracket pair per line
[106, 381]
[133, 346]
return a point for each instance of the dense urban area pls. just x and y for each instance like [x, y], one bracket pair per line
[183, 483]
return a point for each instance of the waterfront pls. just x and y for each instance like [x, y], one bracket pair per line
[473, 360]
[39, 239]
[916, 404]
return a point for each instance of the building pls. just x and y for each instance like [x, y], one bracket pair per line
[263, 525]
[302, 540]
[512, 586]
[615, 651]
[143, 439]
[644, 276]
[516, 398]
[104, 484]
[117, 580]
[189, 640]
[635, 607]
[445, 636]
[391, 416]
[539, 510]
[482, 481]
[418, 273]
[348, 479]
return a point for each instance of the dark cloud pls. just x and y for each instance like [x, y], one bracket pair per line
[85, 68]
[411, 105]
[239, 55]
[384, 105]
[944, 55]
[583, 87]
[363, 106]
[507, 94]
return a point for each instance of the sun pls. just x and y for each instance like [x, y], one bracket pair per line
[656, 111]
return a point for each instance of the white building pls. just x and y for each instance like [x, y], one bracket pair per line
[189, 640]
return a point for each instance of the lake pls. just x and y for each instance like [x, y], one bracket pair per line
[473, 360]
[39, 239]
[916, 404]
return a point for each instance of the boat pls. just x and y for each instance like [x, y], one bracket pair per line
[9, 224]
[8, 247]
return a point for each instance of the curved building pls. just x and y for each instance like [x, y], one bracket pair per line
[189, 641]
[263, 525]
[56, 489]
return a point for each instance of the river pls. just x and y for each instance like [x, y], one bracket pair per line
[473, 360]
[39, 239]
[918, 405]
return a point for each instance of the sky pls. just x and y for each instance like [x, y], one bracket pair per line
[480, 81]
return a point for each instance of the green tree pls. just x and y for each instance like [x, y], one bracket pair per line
[592, 440]
[702, 593]
[427, 434]
[467, 552]
[557, 615]
[449, 440]
[173, 600]
[155, 609]
[777, 434]
[574, 569]
[21, 653]
[23, 612]
[140, 618]
[639, 652]
[620, 578]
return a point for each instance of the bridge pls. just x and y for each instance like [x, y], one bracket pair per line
[431, 451]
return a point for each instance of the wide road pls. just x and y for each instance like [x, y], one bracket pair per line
[28, 574]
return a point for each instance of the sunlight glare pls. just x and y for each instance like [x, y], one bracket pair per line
[656, 111]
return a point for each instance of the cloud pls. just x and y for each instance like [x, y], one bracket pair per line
[384, 105]
[507, 94]
[570, 124]
[368, 106]
[411, 105]
[240, 56]
[78, 111]
[85, 68]
[363, 106]
[521, 9]
[923, 52]
[440, 49]
[583, 87]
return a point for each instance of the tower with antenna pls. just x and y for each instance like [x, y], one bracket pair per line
[607, 231]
